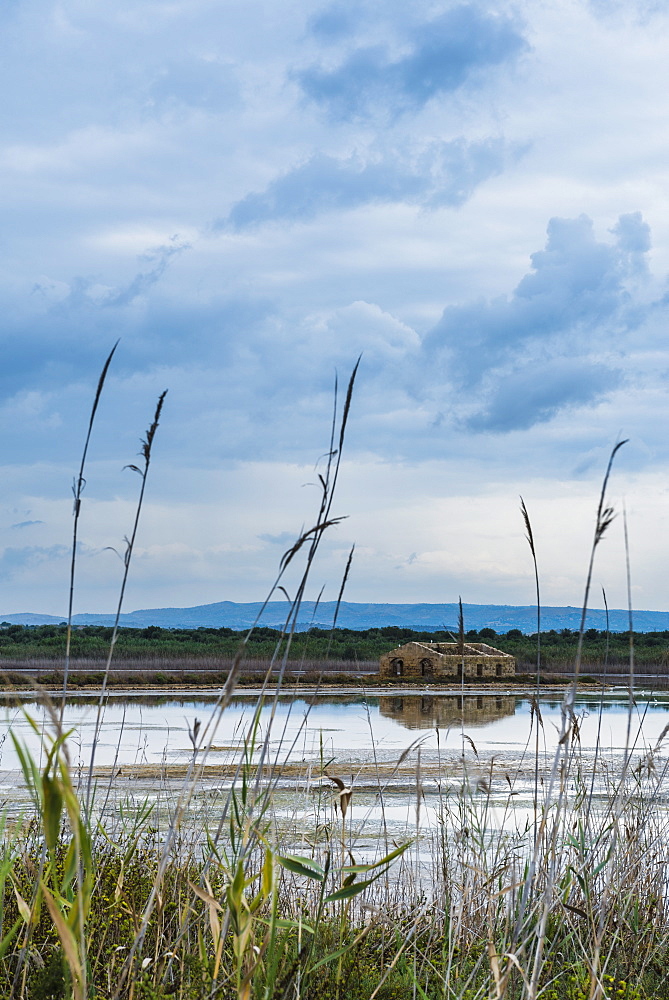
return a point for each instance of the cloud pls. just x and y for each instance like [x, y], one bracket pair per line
[633, 238]
[385, 343]
[63, 330]
[201, 83]
[87, 291]
[536, 393]
[159, 257]
[26, 524]
[444, 54]
[443, 173]
[642, 10]
[557, 342]
[576, 293]
[331, 24]
[283, 538]
[15, 560]
[583, 298]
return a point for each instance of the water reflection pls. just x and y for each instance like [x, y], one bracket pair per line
[350, 729]
[442, 712]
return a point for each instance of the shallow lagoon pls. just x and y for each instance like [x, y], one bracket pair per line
[480, 738]
[153, 730]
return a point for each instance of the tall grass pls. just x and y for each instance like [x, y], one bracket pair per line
[570, 903]
[476, 907]
[143, 472]
[78, 487]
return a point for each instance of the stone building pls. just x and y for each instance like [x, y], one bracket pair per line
[447, 659]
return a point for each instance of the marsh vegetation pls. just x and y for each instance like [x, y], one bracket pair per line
[320, 649]
[497, 887]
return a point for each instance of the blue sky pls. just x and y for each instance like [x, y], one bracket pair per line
[250, 195]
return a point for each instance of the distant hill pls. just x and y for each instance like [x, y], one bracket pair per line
[426, 617]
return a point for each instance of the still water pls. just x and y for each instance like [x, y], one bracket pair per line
[147, 730]
[396, 742]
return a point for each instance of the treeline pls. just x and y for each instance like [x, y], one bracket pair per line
[26, 642]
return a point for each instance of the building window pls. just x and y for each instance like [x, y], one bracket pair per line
[397, 666]
[498, 669]
[479, 670]
[426, 668]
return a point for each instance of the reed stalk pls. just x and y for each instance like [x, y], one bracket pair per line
[142, 471]
[77, 491]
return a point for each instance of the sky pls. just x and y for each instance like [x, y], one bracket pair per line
[252, 194]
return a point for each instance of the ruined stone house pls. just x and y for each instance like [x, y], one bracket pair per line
[447, 659]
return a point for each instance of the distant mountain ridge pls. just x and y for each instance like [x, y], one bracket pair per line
[422, 617]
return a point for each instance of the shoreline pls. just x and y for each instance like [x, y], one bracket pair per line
[318, 692]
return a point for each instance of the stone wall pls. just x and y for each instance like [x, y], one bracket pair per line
[445, 659]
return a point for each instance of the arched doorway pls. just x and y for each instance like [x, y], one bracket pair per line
[397, 666]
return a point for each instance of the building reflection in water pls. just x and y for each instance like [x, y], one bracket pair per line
[442, 711]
